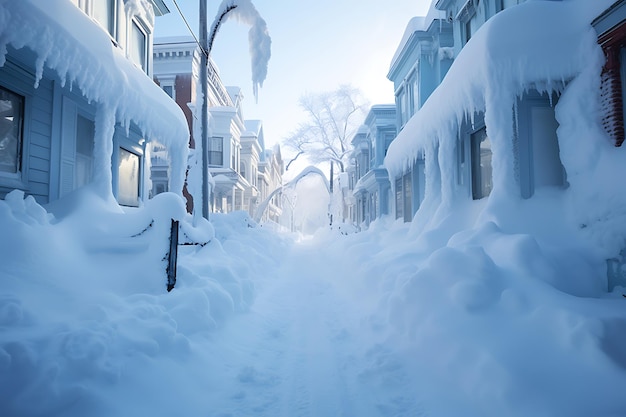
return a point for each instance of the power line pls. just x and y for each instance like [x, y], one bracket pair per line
[189, 28]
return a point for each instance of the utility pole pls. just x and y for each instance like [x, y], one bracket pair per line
[204, 65]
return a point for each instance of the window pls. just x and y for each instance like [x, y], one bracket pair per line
[402, 104]
[461, 161]
[85, 134]
[407, 196]
[169, 90]
[216, 151]
[242, 169]
[138, 45]
[412, 102]
[481, 164]
[363, 163]
[372, 151]
[128, 178]
[399, 202]
[233, 155]
[389, 137]
[416, 95]
[468, 30]
[11, 131]
[467, 17]
[104, 12]
[509, 3]
[373, 211]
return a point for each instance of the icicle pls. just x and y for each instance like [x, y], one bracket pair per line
[39, 63]
[3, 52]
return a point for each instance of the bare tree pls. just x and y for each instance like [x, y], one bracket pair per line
[332, 120]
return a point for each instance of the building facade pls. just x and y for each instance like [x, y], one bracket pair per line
[78, 103]
[372, 190]
[236, 147]
[420, 63]
[462, 144]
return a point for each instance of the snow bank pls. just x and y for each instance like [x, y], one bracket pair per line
[84, 312]
[502, 61]
[484, 316]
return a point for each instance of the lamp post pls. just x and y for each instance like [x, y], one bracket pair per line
[204, 64]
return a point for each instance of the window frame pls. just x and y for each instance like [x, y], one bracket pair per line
[407, 196]
[135, 21]
[112, 29]
[91, 119]
[139, 156]
[17, 177]
[476, 159]
[399, 198]
[213, 153]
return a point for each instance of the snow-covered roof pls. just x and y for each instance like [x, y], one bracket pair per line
[502, 60]
[252, 127]
[417, 24]
[68, 42]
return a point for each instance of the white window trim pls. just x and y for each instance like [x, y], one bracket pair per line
[141, 25]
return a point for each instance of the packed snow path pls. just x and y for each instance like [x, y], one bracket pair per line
[305, 349]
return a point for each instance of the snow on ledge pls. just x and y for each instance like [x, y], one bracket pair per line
[71, 44]
[538, 44]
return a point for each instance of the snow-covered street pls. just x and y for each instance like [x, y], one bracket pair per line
[306, 349]
[472, 322]
[475, 265]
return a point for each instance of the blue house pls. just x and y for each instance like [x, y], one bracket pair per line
[77, 102]
[422, 59]
[453, 153]
[372, 188]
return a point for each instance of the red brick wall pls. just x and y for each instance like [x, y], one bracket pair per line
[611, 91]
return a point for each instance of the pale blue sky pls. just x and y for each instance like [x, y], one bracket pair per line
[316, 46]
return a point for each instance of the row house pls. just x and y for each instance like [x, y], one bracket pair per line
[77, 102]
[226, 127]
[453, 156]
[371, 189]
[271, 169]
[236, 146]
[420, 63]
